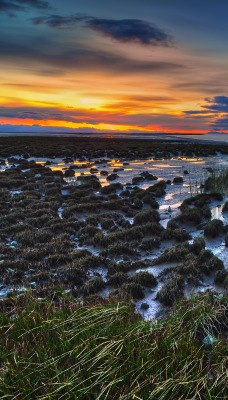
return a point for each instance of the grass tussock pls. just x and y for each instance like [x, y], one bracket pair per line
[107, 351]
[218, 181]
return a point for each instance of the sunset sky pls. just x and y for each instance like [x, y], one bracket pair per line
[129, 65]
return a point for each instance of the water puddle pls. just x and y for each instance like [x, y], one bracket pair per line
[217, 213]
[60, 213]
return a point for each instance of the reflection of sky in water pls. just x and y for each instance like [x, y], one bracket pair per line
[155, 307]
[175, 194]
[163, 169]
[216, 213]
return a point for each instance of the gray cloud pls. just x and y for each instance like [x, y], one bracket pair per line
[140, 120]
[11, 6]
[214, 105]
[217, 104]
[197, 113]
[25, 129]
[211, 113]
[221, 124]
[42, 113]
[208, 86]
[54, 113]
[83, 59]
[124, 30]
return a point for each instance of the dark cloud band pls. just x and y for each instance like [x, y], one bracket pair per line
[218, 104]
[124, 30]
[12, 6]
[215, 111]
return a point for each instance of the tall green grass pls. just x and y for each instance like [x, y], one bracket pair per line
[67, 351]
[218, 181]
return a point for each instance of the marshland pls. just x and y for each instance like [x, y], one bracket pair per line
[114, 269]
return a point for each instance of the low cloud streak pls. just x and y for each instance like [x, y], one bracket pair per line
[85, 59]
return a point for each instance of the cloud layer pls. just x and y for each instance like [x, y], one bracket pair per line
[12, 6]
[112, 65]
[64, 58]
[218, 104]
[215, 111]
[123, 30]
[76, 116]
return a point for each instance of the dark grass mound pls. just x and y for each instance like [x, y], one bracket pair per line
[60, 350]
[213, 228]
[195, 209]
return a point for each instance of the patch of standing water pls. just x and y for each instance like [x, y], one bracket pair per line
[216, 213]
[155, 269]
[98, 271]
[4, 291]
[90, 248]
[208, 284]
[65, 192]
[217, 245]
[155, 307]
[164, 222]
[130, 220]
[163, 169]
[15, 192]
[60, 213]
[168, 212]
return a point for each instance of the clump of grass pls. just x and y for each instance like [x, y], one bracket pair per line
[213, 228]
[107, 223]
[196, 208]
[148, 198]
[178, 179]
[87, 233]
[117, 279]
[133, 289]
[198, 245]
[144, 278]
[171, 291]
[218, 181]
[158, 189]
[107, 351]
[221, 277]
[180, 235]
[92, 286]
[146, 216]
[215, 264]
[149, 244]
[119, 250]
[174, 254]
[190, 215]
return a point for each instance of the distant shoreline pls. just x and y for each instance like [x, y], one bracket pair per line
[209, 138]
